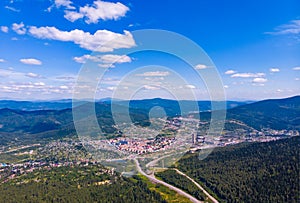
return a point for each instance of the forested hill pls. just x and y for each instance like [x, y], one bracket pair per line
[52, 124]
[276, 114]
[256, 172]
[77, 184]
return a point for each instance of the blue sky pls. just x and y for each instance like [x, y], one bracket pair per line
[44, 44]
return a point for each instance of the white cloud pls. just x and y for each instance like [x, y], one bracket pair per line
[19, 28]
[31, 61]
[226, 86]
[201, 66]
[12, 9]
[106, 61]
[4, 73]
[101, 40]
[154, 74]
[230, 72]
[18, 83]
[65, 78]
[81, 59]
[190, 86]
[154, 79]
[99, 10]
[274, 70]
[296, 68]
[39, 84]
[73, 15]
[259, 80]
[151, 87]
[33, 75]
[111, 88]
[11, 75]
[102, 65]
[248, 75]
[4, 29]
[293, 27]
[67, 4]
[63, 87]
[2, 60]
[258, 84]
[64, 3]
[111, 58]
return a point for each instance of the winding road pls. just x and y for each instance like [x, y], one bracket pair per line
[153, 179]
[199, 186]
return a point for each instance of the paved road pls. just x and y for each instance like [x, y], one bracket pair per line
[153, 179]
[199, 186]
[153, 162]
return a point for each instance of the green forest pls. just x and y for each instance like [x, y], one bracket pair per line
[173, 178]
[77, 184]
[249, 172]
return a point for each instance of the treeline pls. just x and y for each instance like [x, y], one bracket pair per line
[77, 184]
[257, 172]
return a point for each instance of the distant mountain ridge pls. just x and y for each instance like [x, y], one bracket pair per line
[36, 105]
[67, 103]
[272, 113]
[51, 124]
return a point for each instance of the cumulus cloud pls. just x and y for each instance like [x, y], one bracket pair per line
[73, 15]
[111, 88]
[293, 27]
[108, 58]
[39, 84]
[81, 59]
[19, 83]
[248, 75]
[100, 10]
[106, 61]
[33, 75]
[19, 28]
[296, 68]
[63, 87]
[154, 74]
[65, 78]
[9, 73]
[190, 86]
[64, 3]
[4, 29]
[274, 70]
[31, 61]
[259, 80]
[2, 60]
[103, 65]
[230, 72]
[101, 40]
[111, 58]
[201, 66]
[151, 87]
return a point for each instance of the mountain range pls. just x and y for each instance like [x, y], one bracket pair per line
[20, 126]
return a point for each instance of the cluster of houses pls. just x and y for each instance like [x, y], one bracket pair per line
[142, 146]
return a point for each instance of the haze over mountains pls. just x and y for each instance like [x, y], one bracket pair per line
[67, 103]
[20, 126]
